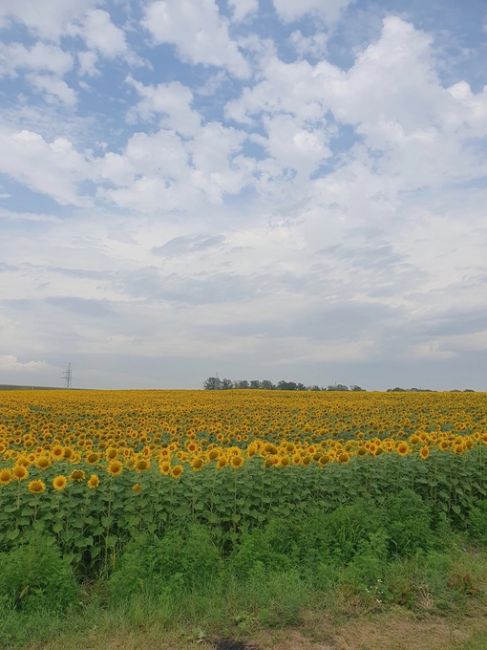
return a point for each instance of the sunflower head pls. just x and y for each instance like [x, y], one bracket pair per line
[115, 468]
[93, 482]
[177, 471]
[59, 482]
[36, 486]
[5, 476]
[20, 473]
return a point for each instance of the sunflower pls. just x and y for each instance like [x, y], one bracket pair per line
[343, 457]
[57, 452]
[59, 482]
[197, 464]
[43, 462]
[5, 476]
[176, 471]
[77, 475]
[236, 461]
[165, 467]
[92, 458]
[136, 488]
[115, 468]
[36, 486]
[402, 448]
[142, 465]
[20, 473]
[424, 452]
[93, 482]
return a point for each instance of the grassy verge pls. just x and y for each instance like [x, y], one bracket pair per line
[319, 576]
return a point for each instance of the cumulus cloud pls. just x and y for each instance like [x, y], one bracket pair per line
[10, 363]
[100, 34]
[328, 10]
[53, 168]
[171, 101]
[311, 217]
[41, 56]
[52, 21]
[198, 31]
[242, 9]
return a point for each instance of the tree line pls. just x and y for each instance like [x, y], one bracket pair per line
[215, 383]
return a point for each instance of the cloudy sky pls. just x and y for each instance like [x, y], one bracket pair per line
[260, 188]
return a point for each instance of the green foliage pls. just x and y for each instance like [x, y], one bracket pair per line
[184, 559]
[34, 576]
[408, 523]
[477, 522]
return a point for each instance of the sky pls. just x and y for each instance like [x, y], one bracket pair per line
[281, 189]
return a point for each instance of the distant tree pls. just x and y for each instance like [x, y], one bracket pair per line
[267, 384]
[241, 383]
[356, 388]
[300, 386]
[337, 387]
[315, 387]
[212, 383]
[255, 383]
[287, 385]
[226, 384]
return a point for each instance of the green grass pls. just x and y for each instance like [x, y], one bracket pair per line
[183, 587]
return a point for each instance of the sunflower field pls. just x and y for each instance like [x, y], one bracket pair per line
[95, 469]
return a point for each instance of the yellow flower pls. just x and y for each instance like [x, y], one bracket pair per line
[20, 473]
[236, 461]
[5, 476]
[177, 471]
[402, 448]
[115, 468]
[93, 482]
[137, 488]
[197, 464]
[43, 462]
[77, 475]
[142, 465]
[424, 452]
[36, 486]
[59, 482]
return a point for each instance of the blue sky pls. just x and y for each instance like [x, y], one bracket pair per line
[259, 188]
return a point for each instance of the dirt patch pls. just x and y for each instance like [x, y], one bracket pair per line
[230, 644]
[397, 630]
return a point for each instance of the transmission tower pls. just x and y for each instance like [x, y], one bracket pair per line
[67, 376]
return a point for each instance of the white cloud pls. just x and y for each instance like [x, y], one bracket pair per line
[100, 34]
[161, 172]
[53, 168]
[40, 56]
[313, 46]
[242, 9]
[198, 31]
[55, 89]
[294, 147]
[328, 10]
[10, 363]
[87, 63]
[49, 21]
[172, 101]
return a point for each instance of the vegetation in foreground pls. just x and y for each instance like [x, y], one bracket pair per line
[222, 515]
[358, 558]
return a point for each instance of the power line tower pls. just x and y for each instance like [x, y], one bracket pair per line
[68, 376]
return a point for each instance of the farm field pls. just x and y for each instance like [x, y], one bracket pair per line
[231, 512]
